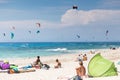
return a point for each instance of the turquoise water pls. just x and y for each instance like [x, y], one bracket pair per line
[32, 49]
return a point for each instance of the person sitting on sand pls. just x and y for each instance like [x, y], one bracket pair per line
[84, 57]
[80, 71]
[58, 65]
[38, 62]
[92, 52]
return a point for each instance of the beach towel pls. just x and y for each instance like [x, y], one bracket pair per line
[13, 66]
[26, 67]
[17, 70]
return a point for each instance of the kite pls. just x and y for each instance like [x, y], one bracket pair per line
[78, 36]
[4, 34]
[29, 32]
[12, 35]
[38, 31]
[106, 32]
[75, 7]
[38, 24]
[13, 27]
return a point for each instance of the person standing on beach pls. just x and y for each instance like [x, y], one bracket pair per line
[80, 71]
[84, 57]
[79, 58]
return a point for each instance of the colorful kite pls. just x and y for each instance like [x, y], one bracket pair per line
[12, 35]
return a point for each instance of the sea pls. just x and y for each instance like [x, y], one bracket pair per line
[32, 49]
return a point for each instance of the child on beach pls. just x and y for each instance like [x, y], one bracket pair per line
[80, 71]
[58, 65]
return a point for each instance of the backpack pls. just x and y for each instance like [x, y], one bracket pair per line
[4, 66]
[46, 66]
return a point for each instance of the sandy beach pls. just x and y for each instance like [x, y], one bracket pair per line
[67, 71]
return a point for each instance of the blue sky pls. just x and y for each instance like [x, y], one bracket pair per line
[59, 22]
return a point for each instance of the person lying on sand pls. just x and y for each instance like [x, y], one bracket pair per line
[58, 65]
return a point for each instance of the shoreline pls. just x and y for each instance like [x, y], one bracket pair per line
[68, 66]
[107, 53]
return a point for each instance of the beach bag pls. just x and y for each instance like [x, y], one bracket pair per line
[45, 66]
[5, 66]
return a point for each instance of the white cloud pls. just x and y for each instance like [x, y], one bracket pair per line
[80, 17]
[70, 18]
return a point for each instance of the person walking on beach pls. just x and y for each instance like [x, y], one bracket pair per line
[58, 65]
[79, 58]
[80, 71]
[84, 57]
